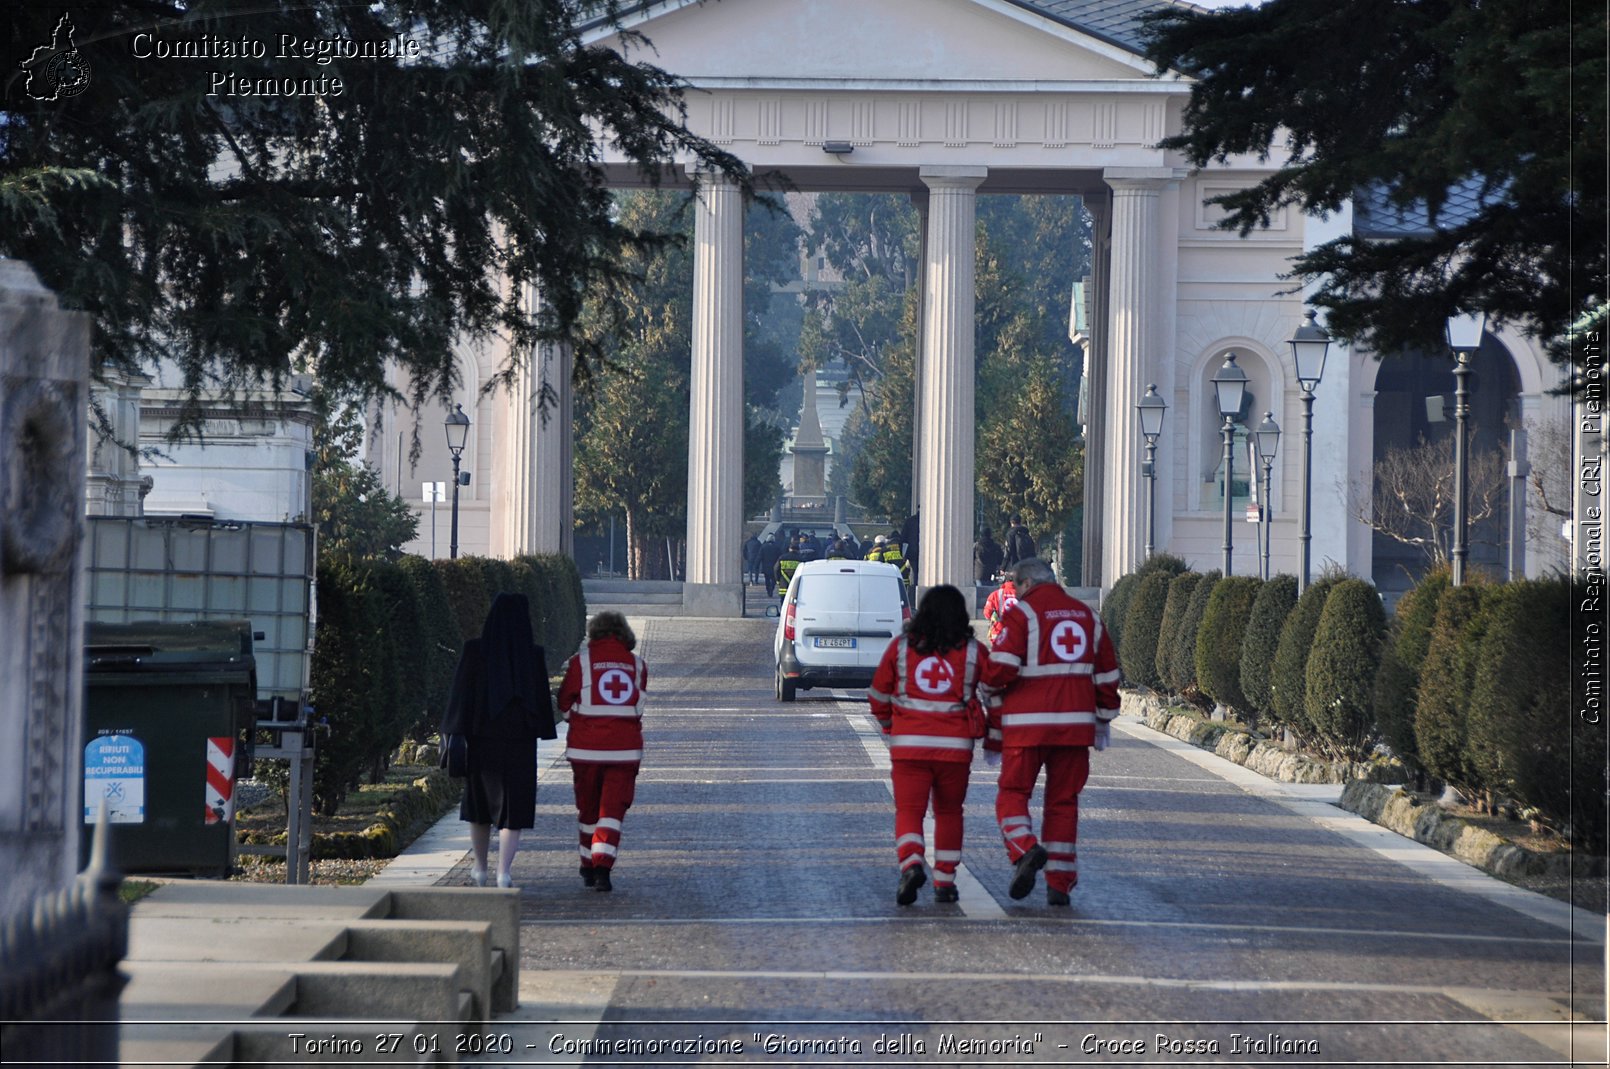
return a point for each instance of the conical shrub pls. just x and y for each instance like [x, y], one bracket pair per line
[1218, 640]
[1137, 656]
[1180, 589]
[1182, 658]
[1442, 705]
[1288, 678]
[1276, 599]
[1341, 669]
[1397, 683]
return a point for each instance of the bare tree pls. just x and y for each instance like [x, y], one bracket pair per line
[1410, 499]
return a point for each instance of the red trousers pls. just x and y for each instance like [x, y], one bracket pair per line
[914, 783]
[1066, 769]
[603, 795]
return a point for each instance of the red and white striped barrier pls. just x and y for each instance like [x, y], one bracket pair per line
[220, 780]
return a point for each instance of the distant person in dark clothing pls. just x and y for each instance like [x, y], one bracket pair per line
[987, 556]
[752, 559]
[769, 552]
[810, 548]
[501, 704]
[1019, 543]
[908, 538]
[787, 565]
[839, 549]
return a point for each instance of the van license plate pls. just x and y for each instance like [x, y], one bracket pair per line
[835, 643]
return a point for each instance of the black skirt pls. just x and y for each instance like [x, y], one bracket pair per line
[501, 788]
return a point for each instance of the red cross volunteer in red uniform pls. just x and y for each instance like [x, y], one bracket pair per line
[1052, 680]
[602, 698]
[924, 697]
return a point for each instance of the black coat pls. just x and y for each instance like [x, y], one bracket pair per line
[987, 555]
[466, 705]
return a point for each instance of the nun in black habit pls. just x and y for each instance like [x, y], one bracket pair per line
[501, 704]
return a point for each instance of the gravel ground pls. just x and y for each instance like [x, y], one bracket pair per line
[272, 870]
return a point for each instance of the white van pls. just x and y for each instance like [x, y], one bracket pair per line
[837, 619]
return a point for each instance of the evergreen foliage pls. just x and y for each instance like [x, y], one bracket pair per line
[402, 682]
[1274, 603]
[442, 642]
[1500, 101]
[1137, 655]
[1341, 669]
[1180, 589]
[1441, 728]
[351, 231]
[1519, 718]
[1115, 607]
[1288, 678]
[1182, 657]
[466, 594]
[1398, 681]
[348, 684]
[1218, 639]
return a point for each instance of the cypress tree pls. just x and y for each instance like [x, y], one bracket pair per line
[1182, 657]
[1440, 711]
[1276, 599]
[1398, 681]
[1288, 678]
[1341, 669]
[1180, 589]
[1138, 654]
[1218, 639]
[1116, 606]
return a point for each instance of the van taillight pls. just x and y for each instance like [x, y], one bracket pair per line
[905, 611]
[788, 623]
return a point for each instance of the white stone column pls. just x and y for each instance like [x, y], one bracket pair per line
[714, 585]
[553, 433]
[1091, 556]
[1132, 339]
[512, 529]
[919, 200]
[947, 374]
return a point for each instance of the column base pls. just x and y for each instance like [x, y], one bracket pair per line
[713, 599]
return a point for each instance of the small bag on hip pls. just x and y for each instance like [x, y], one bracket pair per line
[977, 722]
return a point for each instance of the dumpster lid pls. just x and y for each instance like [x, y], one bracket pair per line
[157, 646]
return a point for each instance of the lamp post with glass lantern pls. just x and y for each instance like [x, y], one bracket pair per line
[1268, 436]
[1151, 408]
[1308, 347]
[458, 432]
[1229, 387]
[1464, 338]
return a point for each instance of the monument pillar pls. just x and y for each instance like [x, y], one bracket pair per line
[553, 452]
[1133, 336]
[947, 376]
[714, 585]
[44, 409]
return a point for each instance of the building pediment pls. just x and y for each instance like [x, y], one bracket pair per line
[887, 43]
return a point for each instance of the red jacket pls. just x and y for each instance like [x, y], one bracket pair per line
[1000, 599]
[602, 696]
[1054, 666]
[921, 700]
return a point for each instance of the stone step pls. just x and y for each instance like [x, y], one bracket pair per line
[632, 586]
[596, 601]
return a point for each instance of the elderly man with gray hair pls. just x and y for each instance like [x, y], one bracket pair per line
[1054, 683]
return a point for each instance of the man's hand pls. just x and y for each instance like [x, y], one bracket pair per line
[992, 758]
[1103, 734]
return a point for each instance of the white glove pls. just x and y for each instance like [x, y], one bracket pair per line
[992, 758]
[1103, 734]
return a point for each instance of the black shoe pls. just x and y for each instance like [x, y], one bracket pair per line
[910, 880]
[601, 880]
[1054, 897]
[589, 876]
[946, 894]
[1032, 861]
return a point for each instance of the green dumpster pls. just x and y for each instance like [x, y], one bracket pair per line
[168, 712]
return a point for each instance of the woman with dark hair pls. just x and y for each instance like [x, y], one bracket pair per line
[501, 704]
[924, 696]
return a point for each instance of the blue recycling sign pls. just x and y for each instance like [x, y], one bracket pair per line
[114, 773]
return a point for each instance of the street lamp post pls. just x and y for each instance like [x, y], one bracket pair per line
[1308, 347]
[1268, 435]
[1464, 338]
[458, 432]
[1151, 408]
[1229, 387]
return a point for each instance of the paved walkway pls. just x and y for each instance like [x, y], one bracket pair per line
[755, 899]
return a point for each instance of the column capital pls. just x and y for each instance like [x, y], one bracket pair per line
[952, 177]
[705, 175]
[1142, 178]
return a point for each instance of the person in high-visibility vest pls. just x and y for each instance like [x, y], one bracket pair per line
[787, 565]
[887, 550]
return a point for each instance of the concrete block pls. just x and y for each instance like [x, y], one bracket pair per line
[467, 944]
[500, 909]
[713, 599]
[234, 939]
[206, 991]
[397, 992]
[204, 899]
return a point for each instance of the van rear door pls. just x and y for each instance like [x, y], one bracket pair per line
[827, 614]
[882, 601]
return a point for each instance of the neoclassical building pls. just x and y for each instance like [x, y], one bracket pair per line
[947, 101]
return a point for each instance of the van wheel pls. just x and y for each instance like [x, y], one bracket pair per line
[785, 687]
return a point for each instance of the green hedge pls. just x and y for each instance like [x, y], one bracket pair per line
[1341, 670]
[1288, 676]
[1138, 654]
[352, 678]
[442, 642]
[1182, 659]
[1218, 640]
[1441, 706]
[1397, 683]
[1274, 603]
[1180, 589]
[1115, 607]
[466, 595]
